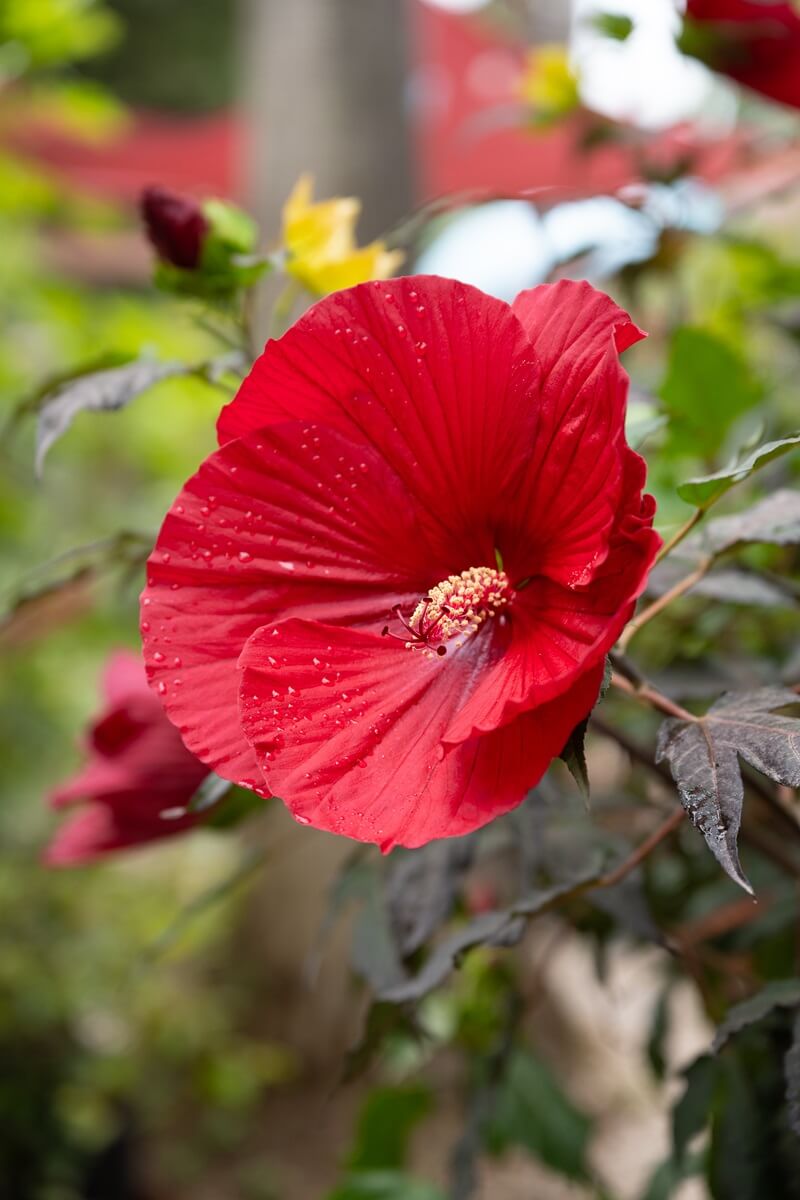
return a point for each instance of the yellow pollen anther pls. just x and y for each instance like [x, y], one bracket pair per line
[458, 606]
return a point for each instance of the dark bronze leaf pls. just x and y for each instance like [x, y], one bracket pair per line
[703, 756]
[97, 391]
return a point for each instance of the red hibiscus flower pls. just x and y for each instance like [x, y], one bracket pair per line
[755, 42]
[138, 776]
[387, 597]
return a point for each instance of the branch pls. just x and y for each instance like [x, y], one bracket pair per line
[641, 852]
[722, 920]
[651, 696]
[679, 589]
[680, 534]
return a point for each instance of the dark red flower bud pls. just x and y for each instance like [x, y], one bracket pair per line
[755, 42]
[175, 226]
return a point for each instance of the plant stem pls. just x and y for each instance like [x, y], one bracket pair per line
[652, 610]
[673, 821]
[649, 695]
[680, 534]
[282, 309]
[722, 920]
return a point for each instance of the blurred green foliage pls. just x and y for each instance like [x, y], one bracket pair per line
[175, 57]
[52, 33]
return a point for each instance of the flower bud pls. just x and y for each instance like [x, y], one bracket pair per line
[175, 226]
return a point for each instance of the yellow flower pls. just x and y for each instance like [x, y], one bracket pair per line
[320, 240]
[549, 86]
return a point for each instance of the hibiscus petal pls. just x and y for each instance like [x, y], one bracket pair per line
[99, 777]
[97, 830]
[291, 519]
[557, 633]
[439, 377]
[347, 727]
[565, 499]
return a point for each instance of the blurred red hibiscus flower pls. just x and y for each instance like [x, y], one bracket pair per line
[755, 42]
[388, 596]
[138, 779]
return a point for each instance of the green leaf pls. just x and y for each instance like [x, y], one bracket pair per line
[487, 929]
[744, 1094]
[530, 1110]
[53, 32]
[574, 757]
[79, 107]
[617, 26]
[384, 1185]
[707, 489]
[382, 1023]
[222, 804]
[231, 227]
[659, 1029]
[211, 791]
[220, 278]
[502, 928]
[780, 993]
[792, 1068]
[385, 1124]
[574, 753]
[703, 756]
[753, 1155]
[707, 387]
[233, 808]
[691, 1113]
[668, 1177]
[374, 952]
[421, 889]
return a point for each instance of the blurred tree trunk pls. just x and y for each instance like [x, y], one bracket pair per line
[324, 92]
[549, 20]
